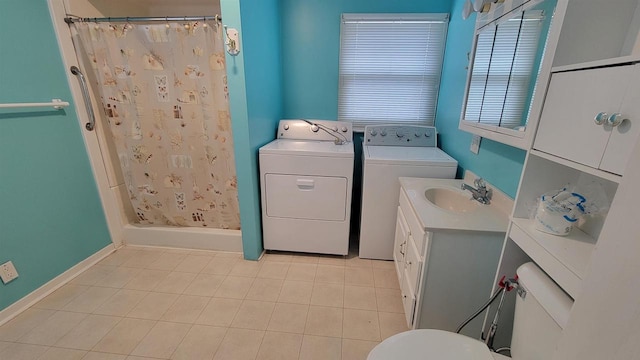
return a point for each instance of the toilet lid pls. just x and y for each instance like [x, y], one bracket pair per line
[430, 344]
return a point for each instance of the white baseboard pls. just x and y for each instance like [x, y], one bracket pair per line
[40, 293]
[183, 238]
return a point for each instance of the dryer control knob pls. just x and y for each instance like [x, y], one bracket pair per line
[344, 129]
[285, 126]
[314, 128]
[373, 132]
[400, 134]
[383, 133]
[427, 134]
[417, 135]
[335, 129]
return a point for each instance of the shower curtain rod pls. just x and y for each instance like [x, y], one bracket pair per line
[71, 19]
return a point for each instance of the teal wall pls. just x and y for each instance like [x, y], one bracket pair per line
[50, 213]
[254, 78]
[311, 49]
[499, 164]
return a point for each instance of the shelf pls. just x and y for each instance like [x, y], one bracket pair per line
[564, 258]
[585, 169]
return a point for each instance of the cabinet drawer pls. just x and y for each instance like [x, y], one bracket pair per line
[408, 301]
[415, 229]
[413, 265]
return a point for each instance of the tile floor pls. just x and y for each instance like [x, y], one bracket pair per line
[146, 303]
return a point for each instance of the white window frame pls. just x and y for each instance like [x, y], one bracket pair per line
[353, 104]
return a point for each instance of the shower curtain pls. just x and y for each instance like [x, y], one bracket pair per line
[164, 91]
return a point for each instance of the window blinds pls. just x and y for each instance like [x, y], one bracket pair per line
[390, 67]
[504, 58]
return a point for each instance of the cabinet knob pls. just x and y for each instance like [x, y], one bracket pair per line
[601, 118]
[615, 120]
[408, 263]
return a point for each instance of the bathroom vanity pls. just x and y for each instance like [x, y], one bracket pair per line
[446, 250]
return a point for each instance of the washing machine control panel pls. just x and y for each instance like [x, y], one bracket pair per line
[400, 135]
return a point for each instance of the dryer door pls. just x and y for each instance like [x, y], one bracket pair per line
[306, 197]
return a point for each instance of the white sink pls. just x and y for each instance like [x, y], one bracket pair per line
[451, 199]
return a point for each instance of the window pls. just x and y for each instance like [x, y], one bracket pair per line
[499, 88]
[390, 67]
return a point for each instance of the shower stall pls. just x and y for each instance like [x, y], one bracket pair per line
[156, 120]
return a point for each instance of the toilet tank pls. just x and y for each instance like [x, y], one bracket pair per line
[540, 315]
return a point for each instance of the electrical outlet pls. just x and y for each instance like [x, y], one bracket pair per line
[475, 144]
[8, 272]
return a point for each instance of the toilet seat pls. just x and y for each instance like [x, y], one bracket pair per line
[431, 344]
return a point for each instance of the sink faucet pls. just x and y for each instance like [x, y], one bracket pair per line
[480, 192]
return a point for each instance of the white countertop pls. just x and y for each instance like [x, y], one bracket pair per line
[491, 218]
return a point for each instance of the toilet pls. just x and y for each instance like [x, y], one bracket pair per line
[539, 318]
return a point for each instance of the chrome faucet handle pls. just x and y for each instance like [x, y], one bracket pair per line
[479, 183]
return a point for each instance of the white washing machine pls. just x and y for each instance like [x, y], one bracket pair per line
[389, 152]
[306, 178]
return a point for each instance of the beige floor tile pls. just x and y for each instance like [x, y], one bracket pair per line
[355, 261]
[93, 355]
[93, 275]
[219, 266]
[246, 268]
[280, 346]
[125, 336]
[361, 325]
[118, 257]
[119, 277]
[383, 264]
[153, 306]
[227, 255]
[88, 332]
[62, 354]
[52, 329]
[90, 299]
[359, 276]
[324, 321]
[296, 292]
[162, 340]
[61, 297]
[253, 315]
[142, 259]
[360, 297]
[326, 294]
[186, 309]
[305, 259]
[391, 324]
[320, 347]
[167, 261]
[357, 349]
[234, 287]
[278, 257]
[240, 344]
[335, 260]
[289, 318]
[23, 323]
[17, 351]
[389, 300]
[330, 274]
[146, 280]
[204, 285]
[201, 342]
[219, 312]
[273, 270]
[132, 357]
[175, 282]
[193, 263]
[386, 278]
[302, 272]
[265, 289]
[4, 345]
[121, 302]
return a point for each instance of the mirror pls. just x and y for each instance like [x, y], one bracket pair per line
[507, 57]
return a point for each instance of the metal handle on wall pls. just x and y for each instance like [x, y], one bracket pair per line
[85, 96]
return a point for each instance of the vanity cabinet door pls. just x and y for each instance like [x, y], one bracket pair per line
[400, 243]
[413, 265]
[567, 128]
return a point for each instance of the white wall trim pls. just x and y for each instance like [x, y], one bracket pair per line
[40, 293]
[183, 238]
